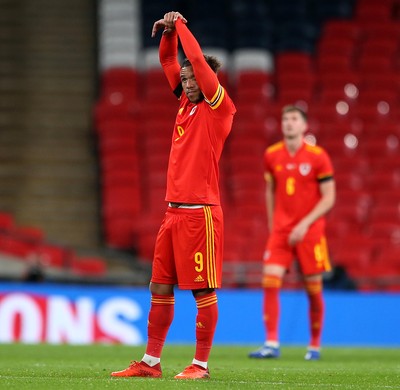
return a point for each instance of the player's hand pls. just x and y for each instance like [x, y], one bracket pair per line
[167, 23]
[298, 232]
[159, 24]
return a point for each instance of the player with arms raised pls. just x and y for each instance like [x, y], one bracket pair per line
[189, 245]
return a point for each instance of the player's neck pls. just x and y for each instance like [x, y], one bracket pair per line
[293, 144]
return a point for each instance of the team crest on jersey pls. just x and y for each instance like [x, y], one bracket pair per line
[193, 110]
[305, 169]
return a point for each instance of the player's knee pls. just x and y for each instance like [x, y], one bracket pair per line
[202, 292]
[161, 289]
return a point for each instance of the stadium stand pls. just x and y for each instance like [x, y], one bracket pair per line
[339, 60]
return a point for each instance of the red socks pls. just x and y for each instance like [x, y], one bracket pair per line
[206, 322]
[162, 313]
[272, 285]
[160, 318]
[316, 311]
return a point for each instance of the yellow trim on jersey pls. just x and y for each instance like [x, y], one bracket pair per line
[210, 253]
[314, 149]
[325, 176]
[217, 99]
[273, 148]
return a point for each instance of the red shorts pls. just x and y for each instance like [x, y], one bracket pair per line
[189, 248]
[311, 253]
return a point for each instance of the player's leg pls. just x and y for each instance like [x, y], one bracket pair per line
[272, 282]
[314, 290]
[314, 260]
[199, 268]
[160, 318]
[161, 311]
[206, 322]
[278, 257]
[159, 321]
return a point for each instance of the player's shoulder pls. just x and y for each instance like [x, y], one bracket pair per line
[314, 149]
[276, 147]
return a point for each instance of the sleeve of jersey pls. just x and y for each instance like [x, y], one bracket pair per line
[326, 170]
[168, 53]
[206, 78]
[267, 168]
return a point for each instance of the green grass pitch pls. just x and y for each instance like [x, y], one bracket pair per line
[88, 367]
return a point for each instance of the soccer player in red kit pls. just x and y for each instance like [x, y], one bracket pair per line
[189, 245]
[300, 191]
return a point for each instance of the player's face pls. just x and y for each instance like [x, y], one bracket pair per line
[189, 85]
[293, 125]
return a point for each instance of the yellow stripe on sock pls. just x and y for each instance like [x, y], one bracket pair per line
[271, 281]
[313, 287]
[208, 300]
[168, 300]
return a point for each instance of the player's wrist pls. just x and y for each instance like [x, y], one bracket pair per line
[168, 30]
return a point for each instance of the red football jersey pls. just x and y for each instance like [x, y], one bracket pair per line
[200, 129]
[297, 180]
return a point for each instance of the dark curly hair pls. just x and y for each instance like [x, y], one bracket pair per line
[212, 61]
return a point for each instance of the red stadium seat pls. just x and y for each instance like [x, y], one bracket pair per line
[387, 80]
[113, 162]
[351, 180]
[378, 29]
[385, 212]
[124, 200]
[295, 96]
[88, 266]
[336, 46]
[117, 127]
[372, 10]
[119, 76]
[289, 62]
[375, 112]
[54, 256]
[368, 64]
[260, 94]
[353, 257]
[390, 256]
[341, 28]
[333, 79]
[6, 221]
[332, 62]
[122, 109]
[119, 178]
[252, 78]
[379, 46]
[375, 94]
[358, 162]
[385, 229]
[116, 144]
[295, 80]
[387, 180]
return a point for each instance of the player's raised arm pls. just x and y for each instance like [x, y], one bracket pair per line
[168, 50]
[206, 77]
